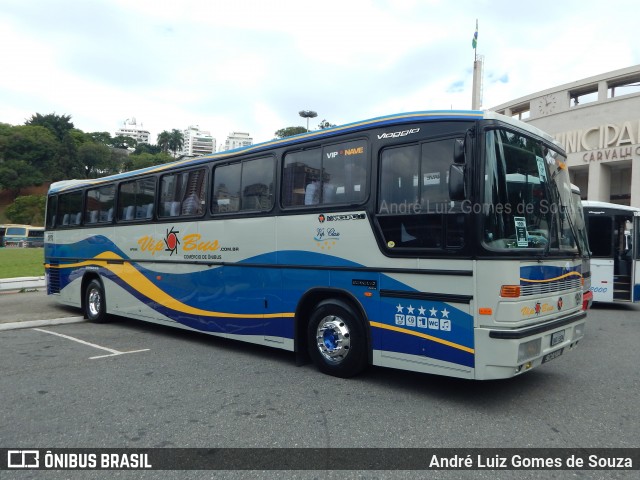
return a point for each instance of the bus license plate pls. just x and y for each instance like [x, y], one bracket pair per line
[550, 356]
[557, 338]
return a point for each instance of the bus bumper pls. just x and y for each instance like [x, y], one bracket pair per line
[507, 353]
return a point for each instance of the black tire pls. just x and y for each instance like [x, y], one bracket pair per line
[337, 340]
[95, 306]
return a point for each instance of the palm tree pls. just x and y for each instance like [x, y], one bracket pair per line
[176, 141]
[164, 138]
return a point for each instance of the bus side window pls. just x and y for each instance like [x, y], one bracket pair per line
[52, 208]
[302, 172]
[193, 201]
[226, 188]
[414, 209]
[257, 183]
[344, 168]
[182, 194]
[70, 207]
[136, 199]
[171, 209]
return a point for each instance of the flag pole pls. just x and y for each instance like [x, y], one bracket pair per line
[477, 72]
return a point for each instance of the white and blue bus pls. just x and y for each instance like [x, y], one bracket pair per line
[613, 232]
[439, 242]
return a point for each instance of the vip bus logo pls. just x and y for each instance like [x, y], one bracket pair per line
[172, 241]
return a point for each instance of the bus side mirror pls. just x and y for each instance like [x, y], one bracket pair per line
[457, 189]
[458, 152]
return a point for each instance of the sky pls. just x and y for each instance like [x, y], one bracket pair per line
[252, 65]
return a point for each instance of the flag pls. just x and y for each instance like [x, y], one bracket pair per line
[474, 42]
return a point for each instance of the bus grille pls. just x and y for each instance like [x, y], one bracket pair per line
[53, 279]
[550, 287]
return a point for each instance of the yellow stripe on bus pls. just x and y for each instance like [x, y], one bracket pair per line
[570, 274]
[422, 335]
[131, 276]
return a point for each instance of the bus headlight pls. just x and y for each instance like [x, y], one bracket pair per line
[529, 349]
[578, 331]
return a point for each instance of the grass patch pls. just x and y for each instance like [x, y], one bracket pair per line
[21, 262]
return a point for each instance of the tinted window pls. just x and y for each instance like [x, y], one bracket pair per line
[243, 186]
[99, 205]
[70, 209]
[226, 188]
[415, 177]
[257, 184]
[16, 231]
[52, 207]
[136, 199]
[414, 209]
[335, 174]
[183, 193]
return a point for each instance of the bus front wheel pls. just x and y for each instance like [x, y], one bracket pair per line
[336, 339]
[95, 303]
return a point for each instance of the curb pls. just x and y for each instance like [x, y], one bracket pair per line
[20, 283]
[40, 323]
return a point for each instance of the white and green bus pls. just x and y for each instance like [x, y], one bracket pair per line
[21, 236]
[440, 242]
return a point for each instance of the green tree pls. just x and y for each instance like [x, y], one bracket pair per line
[35, 145]
[27, 209]
[122, 141]
[101, 137]
[176, 141]
[18, 174]
[325, 124]
[144, 160]
[96, 159]
[66, 163]
[59, 125]
[5, 128]
[290, 131]
[119, 159]
[163, 140]
[147, 148]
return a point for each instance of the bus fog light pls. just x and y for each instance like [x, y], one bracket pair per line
[529, 349]
[578, 331]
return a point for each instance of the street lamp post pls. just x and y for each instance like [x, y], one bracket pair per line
[308, 114]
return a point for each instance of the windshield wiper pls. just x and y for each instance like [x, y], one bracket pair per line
[567, 215]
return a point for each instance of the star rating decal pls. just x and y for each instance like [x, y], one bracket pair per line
[437, 319]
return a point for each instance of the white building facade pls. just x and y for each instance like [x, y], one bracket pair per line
[197, 142]
[237, 140]
[597, 121]
[133, 130]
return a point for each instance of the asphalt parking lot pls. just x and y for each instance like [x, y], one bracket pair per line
[135, 385]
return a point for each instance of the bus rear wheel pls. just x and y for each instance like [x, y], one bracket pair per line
[95, 307]
[336, 339]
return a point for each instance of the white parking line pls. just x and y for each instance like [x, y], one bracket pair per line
[113, 352]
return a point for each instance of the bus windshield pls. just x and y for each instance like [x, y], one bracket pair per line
[527, 196]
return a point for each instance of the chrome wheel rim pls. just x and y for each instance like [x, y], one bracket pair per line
[333, 339]
[95, 302]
